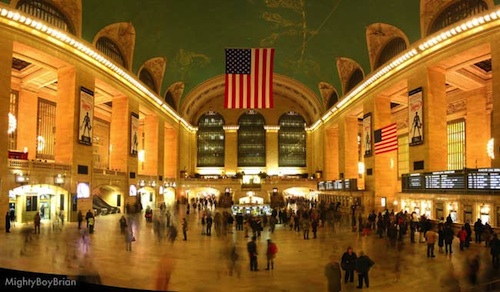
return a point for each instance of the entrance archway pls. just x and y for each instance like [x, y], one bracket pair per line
[147, 197]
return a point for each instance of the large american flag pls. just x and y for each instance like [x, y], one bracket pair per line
[386, 139]
[249, 78]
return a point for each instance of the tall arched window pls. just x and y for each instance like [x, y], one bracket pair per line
[169, 99]
[146, 77]
[210, 139]
[390, 50]
[251, 139]
[110, 49]
[333, 99]
[356, 77]
[291, 140]
[47, 12]
[457, 11]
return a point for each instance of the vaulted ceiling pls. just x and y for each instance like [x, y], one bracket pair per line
[308, 35]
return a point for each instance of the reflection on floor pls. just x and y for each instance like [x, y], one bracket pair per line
[201, 262]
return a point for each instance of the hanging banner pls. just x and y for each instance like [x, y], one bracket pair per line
[134, 138]
[86, 116]
[367, 134]
[416, 117]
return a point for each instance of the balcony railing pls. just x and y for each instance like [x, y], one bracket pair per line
[37, 165]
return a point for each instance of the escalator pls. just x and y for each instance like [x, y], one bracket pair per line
[102, 208]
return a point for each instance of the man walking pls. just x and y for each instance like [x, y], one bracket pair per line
[348, 264]
[252, 253]
[184, 228]
[363, 265]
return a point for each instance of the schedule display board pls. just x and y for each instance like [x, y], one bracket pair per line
[467, 180]
[338, 185]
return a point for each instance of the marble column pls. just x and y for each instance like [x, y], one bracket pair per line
[5, 87]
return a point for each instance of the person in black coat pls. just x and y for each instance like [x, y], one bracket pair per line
[348, 264]
[363, 265]
[495, 251]
[7, 222]
[448, 238]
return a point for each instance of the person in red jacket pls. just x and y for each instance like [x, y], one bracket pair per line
[462, 236]
[272, 250]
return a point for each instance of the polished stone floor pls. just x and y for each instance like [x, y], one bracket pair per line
[201, 262]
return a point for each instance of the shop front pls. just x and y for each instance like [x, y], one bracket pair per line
[51, 202]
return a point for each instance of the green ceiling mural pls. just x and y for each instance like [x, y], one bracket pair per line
[308, 35]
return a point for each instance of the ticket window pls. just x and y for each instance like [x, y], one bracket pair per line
[452, 209]
[485, 214]
[468, 213]
[439, 211]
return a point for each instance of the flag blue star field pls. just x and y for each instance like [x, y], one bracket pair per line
[386, 139]
[249, 78]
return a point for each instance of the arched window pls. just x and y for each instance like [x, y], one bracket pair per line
[47, 12]
[356, 77]
[291, 140]
[251, 139]
[210, 139]
[169, 99]
[333, 99]
[110, 49]
[457, 11]
[390, 50]
[146, 77]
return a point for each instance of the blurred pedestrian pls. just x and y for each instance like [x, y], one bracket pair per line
[129, 238]
[495, 251]
[431, 237]
[80, 219]
[272, 250]
[184, 228]
[37, 222]
[252, 253]
[333, 275]
[363, 265]
[7, 222]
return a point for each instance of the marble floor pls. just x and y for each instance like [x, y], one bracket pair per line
[201, 262]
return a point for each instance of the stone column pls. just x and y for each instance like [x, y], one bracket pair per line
[120, 157]
[348, 147]
[5, 86]
[153, 134]
[331, 170]
[68, 149]
[383, 167]
[495, 115]
[170, 161]
[231, 149]
[272, 152]
[433, 151]
[477, 118]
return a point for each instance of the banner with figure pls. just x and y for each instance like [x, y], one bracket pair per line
[367, 134]
[415, 117]
[134, 135]
[86, 116]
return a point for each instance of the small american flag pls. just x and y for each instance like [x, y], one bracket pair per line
[386, 139]
[249, 78]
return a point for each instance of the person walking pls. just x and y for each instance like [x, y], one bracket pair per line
[478, 230]
[91, 223]
[37, 222]
[123, 224]
[7, 222]
[129, 238]
[495, 251]
[363, 265]
[431, 237]
[88, 216]
[272, 250]
[184, 228]
[333, 275]
[348, 264]
[80, 219]
[462, 237]
[448, 238]
[209, 222]
[252, 253]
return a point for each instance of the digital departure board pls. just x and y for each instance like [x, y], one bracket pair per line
[338, 185]
[468, 180]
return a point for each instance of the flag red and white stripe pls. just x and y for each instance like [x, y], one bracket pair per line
[386, 139]
[249, 78]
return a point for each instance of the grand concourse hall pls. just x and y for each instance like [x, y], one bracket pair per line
[123, 106]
